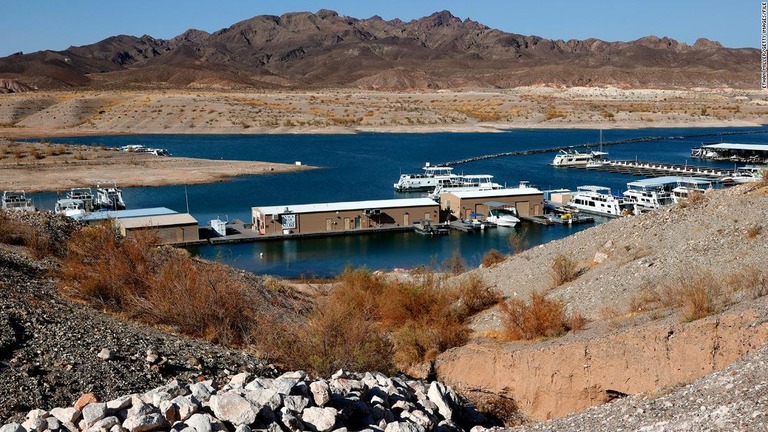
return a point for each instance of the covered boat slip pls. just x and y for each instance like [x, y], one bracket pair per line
[349, 217]
[461, 205]
[732, 151]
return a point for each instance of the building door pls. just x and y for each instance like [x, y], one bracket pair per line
[426, 216]
[406, 219]
[523, 208]
[328, 225]
[347, 225]
[357, 222]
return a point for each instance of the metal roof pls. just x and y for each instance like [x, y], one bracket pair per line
[158, 221]
[732, 146]
[125, 214]
[345, 206]
[666, 180]
[495, 193]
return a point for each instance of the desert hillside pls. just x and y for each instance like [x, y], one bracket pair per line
[324, 49]
[202, 111]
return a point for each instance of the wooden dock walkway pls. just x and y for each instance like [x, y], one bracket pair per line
[657, 169]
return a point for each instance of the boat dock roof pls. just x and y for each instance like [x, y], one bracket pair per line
[349, 205]
[125, 214]
[158, 220]
[496, 193]
[735, 146]
[667, 180]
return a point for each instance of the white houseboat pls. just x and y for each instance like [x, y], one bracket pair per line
[599, 200]
[16, 201]
[466, 183]
[432, 177]
[652, 193]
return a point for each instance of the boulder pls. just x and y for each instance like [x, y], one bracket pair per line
[145, 423]
[12, 427]
[118, 404]
[94, 412]
[319, 419]
[232, 408]
[185, 406]
[403, 427]
[85, 400]
[66, 415]
[104, 424]
[320, 393]
[444, 397]
[199, 422]
[295, 404]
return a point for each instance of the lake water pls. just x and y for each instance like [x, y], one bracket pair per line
[364, 166]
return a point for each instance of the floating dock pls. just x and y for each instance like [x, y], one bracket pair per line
[652, 169]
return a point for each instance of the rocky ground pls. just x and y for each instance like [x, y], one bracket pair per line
[54, 350]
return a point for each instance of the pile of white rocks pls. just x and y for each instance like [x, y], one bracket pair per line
[290, 402]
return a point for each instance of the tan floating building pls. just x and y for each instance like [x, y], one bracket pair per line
[353, 216]
[170, 228]
[460, 205]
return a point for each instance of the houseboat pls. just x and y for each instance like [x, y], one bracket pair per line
[16, 201]
[599, 200]
[432, 177]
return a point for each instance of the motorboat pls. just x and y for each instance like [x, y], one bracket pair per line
[466, 183]
[109, 198]
[503, 217]
[138, 148]
[16, 201]
[432, 177]
[73, 208]
[425, 227]
[745, 174]
[599, 200]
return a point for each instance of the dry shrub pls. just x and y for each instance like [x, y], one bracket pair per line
[564, 270]
[501, 411]
[475, 296]
[18, 233]
[492, 257]
[540, 317]
[751, 280]
[161, 286]
[753, 231]
[372, 322]
[695, 197]
[700, 295]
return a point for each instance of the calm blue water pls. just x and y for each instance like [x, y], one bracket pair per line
[364, 166]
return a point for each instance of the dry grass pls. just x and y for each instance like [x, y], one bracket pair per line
[371, 322]
[540, 317]
[455, 264]
[158, 286]
[753, 231]
[698, 293]
[492, 257]
[564, 270]
[751, 281]
[17, 233]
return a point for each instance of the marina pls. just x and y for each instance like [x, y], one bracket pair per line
[651, 169]
[364, 167]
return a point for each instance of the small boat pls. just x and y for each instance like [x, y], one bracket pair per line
[16, 201]
[432, 177]
[425, 227]
[569, 218]
[745, 174]
[574, 158]
[599, 200]
[503, 217]
[74, 208]
[109, 198]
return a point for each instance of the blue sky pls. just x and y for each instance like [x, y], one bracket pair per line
[33, 25]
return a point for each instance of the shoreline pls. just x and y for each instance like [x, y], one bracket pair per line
[38, 134]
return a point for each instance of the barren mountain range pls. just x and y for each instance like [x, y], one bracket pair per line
[325, 50]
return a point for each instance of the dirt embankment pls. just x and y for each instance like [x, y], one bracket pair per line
[636, 277]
